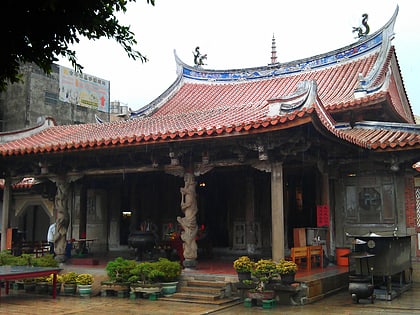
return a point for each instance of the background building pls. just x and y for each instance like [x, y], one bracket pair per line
[68, 97]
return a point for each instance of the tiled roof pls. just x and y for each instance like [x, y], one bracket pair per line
[203, 103]
[201, 109]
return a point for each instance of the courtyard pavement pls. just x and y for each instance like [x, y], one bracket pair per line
[18, 302]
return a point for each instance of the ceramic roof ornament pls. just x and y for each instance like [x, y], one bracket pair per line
[360, 32]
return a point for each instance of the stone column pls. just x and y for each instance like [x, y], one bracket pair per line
[277, 211]
[189, 221]
[83, 211]
[5, 213]
[62, 218]
[250, 215]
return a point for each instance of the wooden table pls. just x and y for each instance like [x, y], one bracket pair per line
[8, 273]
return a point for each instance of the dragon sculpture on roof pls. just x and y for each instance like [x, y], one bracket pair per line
[199, 58]
[359, 30]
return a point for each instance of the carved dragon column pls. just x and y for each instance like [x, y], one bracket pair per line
[189, 221]
[62, 218]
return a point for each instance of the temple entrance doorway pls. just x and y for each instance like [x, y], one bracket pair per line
[301, 191]
[233, 205]
[33, 223]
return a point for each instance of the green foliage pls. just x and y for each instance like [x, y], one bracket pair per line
[38, 32]
[171, 270]
[44, 261]
[145, 272]
[6, 258]
[118, 270]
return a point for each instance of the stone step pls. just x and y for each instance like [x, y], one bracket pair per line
[225, 301]
[204, 291]
[196, 296]
[210, 290]
[203, 283]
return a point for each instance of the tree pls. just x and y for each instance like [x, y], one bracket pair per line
[40, 31]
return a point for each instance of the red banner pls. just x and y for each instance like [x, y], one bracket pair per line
[322, 215]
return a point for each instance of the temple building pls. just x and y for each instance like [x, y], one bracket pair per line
[325, 144]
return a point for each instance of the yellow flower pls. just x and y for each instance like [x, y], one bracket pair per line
[243, 264]
[285, 267]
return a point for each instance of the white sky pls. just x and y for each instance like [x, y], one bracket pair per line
[237, 34]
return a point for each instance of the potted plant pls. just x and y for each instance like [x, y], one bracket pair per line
[50, 280]
[69, 282]
[243, 266]
[144, 278]
[29, 284]
[118, 271]
[264, 270]
[287, 269]
[84, 284]
[171, 271]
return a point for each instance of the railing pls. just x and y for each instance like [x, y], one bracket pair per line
[37, 248]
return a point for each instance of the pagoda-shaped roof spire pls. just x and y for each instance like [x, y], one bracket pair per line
[273, 51]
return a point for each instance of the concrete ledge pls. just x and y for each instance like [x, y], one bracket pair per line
[83, 261]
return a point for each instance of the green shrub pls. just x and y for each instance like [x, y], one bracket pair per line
[119, 269]
[7, 259]
[171, 270]
[145, 272]
[44, 261]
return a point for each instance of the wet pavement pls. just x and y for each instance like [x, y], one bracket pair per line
[18, 302]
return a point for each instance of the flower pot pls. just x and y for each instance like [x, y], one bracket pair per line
[85, 290]
[246, 275]
[121, 289]
[29, 286]
[69, 288]
[261, 295]
[288, 278]
[169, 288]
[57, 288]
[146, 287]
[41, 287]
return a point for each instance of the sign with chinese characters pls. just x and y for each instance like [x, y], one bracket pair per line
[83, 89]
[322, 215]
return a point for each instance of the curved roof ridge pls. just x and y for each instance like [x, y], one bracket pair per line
[43, 123]
[385, 125]
[379, 40]
[371, 83]
[156, 103]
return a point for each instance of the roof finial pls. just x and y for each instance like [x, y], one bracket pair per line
[273, 51]
[360, 33]
[199, 58]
